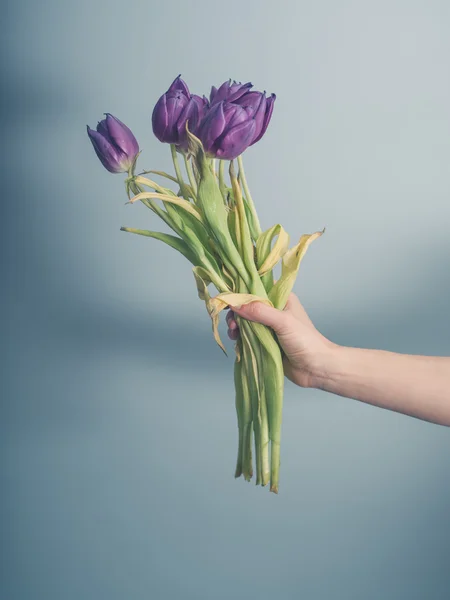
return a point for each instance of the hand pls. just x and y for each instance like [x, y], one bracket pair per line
[306, 350]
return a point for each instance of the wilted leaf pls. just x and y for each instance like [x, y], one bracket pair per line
[166, 198]
[266, 256]
[290, 264]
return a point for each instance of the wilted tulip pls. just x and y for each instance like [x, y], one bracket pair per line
[173, 110]
[114, 144]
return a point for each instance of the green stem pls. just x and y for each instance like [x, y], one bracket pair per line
[190, 175]
[254, 376]
[261, 401]
[176, 164]
[248, 197]
[161, 174]
[239, 410]
[273, 386]
[222, 185]
[248, 257]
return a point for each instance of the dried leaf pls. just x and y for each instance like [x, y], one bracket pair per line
[290, 264]
[172, 199]
[266, 257]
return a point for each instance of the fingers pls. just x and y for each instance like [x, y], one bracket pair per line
[233, 330]
[261, 313]
[233, 334]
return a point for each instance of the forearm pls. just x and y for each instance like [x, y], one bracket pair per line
[413, 385]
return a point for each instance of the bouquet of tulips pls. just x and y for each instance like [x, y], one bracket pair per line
[216, 227]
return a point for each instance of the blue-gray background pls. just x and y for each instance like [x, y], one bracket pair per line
[118, 429]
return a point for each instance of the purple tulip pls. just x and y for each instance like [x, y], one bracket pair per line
[227, 130]
[173, 110]
[236, 119]
[114, 144]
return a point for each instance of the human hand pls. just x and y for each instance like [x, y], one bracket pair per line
[306, 349]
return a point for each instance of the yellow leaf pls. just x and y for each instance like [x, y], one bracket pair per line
[279, 294]
[166, 198]
[279, 248]
[216, 305]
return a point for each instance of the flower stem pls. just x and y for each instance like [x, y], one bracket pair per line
[176, 164]
[190, 175]
[222, 180]
[247, 248]
[248, 197]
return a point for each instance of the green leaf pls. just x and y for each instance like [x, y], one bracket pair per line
[213, 210]
[170, 240]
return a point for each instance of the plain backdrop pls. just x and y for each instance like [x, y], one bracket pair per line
[118, 430]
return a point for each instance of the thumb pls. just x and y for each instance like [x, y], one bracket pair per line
[266, 315]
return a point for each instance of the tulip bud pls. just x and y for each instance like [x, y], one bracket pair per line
[114, 144]
[173, 110]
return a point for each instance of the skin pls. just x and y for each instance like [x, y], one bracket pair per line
[418, 386]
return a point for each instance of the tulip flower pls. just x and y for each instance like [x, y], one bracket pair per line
[227, 130]
[114, 144]
[236, 119]
[173, 110]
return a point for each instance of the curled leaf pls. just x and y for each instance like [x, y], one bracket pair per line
[216, 305]
[202, 279]
[266, 256]
[290, 264]
[166, 198]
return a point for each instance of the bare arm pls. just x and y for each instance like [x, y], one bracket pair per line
[418, 386]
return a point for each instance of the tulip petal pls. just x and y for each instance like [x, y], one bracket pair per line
[238, 90]
[108, 155]
[160, 118]
[213, 93]
[251, 99]
[236, 140]
[256, 104]
[103, 129]
[179, 85]
[267, 116]
[190, 113]
[176, 103]
[202, 104]
[122, 136]
[229, 92]
[235, 114]
[212, 126]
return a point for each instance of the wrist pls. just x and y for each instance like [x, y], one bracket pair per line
[326, 365]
